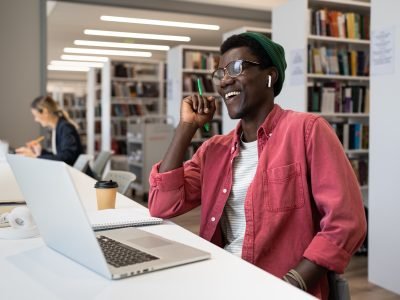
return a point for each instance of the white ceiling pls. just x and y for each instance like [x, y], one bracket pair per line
[66, 22]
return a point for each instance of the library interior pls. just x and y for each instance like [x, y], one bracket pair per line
[99, 92]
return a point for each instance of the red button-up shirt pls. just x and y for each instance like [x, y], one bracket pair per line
[304, 200]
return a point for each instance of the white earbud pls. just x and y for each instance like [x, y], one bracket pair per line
[21, 222]
[269, 81]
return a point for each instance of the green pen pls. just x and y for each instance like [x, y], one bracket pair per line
[207, 125]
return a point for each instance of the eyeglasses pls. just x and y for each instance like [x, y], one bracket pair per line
[234, 69]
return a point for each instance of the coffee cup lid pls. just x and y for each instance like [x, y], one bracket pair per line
[104, 184]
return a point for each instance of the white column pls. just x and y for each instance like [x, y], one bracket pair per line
[106, 107]
[90, 105]
[384, 153]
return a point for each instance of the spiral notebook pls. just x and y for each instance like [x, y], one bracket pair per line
[121, 217]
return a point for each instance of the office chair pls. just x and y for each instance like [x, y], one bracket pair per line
[100, 163]
[82, 162]
[123, 178]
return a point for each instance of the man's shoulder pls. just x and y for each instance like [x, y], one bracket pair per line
[296, 118]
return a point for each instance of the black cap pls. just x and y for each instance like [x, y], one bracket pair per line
[106, 184]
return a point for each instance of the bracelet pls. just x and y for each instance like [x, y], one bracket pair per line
[295, 279]
[286, 279]
[296, 276]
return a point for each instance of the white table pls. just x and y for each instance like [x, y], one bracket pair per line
[30, 270]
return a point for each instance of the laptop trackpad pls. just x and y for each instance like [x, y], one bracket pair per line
[149, 242]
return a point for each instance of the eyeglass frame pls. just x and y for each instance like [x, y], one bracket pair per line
[225, 69]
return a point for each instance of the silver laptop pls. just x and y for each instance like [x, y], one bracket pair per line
[51, 195]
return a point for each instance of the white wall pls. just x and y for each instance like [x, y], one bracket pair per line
[384, 197]
[293, 37]
[20, 61]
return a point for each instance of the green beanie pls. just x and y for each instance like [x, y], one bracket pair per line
[275, 52]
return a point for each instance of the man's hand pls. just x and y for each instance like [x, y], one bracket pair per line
[197, 110]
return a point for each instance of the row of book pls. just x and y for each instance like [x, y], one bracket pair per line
[119, 128]
[200, 60]
[135, 89]
[77, 113]
[360, 167]
[127, 70]
[337, 61]
[353, 136]
[334, 23]
[72, 100]
[337, 97]
[190, 83]
[128, 110]
[82, 126]
[118, 147]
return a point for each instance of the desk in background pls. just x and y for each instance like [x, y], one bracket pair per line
[30, 270]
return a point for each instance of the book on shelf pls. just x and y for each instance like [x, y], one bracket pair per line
[360, 168]
[190, 83]
[121, 217]
[200, 60]
[338, 97]
[337, 61]
[334, 23]
[353, 136]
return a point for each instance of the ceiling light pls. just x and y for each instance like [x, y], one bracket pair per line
[159, 23]
[107, 52]
[67, 68]
[77, 63]
[121, 45]
[84, 58]
[163, 37]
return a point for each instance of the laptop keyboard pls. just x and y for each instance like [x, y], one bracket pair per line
[121, 255]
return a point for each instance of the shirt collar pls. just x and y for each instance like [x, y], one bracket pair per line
[266, 127]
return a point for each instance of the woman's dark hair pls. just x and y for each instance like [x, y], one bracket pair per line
[236, 41]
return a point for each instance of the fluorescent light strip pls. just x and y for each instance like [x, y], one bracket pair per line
[107, 52]
[159, 23]
[163, 37]
[76, 63]
[84, 58]
[66, 68]
[121, 45]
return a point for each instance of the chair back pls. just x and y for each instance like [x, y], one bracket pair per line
[123, 178]
[82, 162]
[100, 163]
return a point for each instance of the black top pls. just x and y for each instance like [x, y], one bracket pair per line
[68, 143]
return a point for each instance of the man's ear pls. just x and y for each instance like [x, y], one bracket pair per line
[274, 74]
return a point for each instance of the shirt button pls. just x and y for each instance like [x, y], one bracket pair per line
[212, 219]
[270, 134]
[224, 191]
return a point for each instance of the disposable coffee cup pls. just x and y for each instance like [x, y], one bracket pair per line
[106, 192]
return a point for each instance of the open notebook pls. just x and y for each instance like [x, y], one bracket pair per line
[121, 217]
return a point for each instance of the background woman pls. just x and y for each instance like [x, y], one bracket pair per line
[65, 143]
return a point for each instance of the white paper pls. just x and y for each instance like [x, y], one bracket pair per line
[383, 51]
[297, 67]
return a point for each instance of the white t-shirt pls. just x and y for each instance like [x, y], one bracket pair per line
[233, 220]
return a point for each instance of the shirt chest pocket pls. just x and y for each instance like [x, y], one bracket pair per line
[283, 188]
